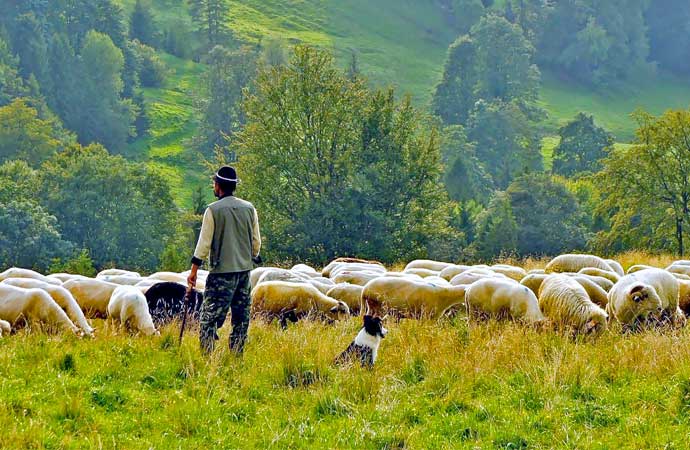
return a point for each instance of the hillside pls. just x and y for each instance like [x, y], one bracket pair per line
[399, 43]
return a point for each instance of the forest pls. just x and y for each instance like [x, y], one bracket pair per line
[113, 114]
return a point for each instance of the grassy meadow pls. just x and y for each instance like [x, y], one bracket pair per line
[436, 385]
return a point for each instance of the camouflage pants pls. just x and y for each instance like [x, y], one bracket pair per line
[226, 291]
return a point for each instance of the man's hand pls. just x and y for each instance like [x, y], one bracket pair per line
[191, 279]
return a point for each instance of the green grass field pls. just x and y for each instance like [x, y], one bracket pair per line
[447, 384]
[492, 385]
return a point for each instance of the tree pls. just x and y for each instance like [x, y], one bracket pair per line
[353, 70]
[466, 178]
[646, 188]
[273, 52]
[23, 135]
[103, 115]
[582, 146]
[505, 141]
[151, 68]
[466, 14]
[229, 73]
[496, 229]
[211, 17]
[142, 25]
[352, 172]
[29, 236]
[11, 84]
[549, 219]
[121, 212]
[493, 63]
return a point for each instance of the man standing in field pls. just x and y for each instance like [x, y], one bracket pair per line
[230, 237]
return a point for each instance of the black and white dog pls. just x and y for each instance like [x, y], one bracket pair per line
[365, 347]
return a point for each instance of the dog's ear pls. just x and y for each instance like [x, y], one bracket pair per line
[335, 309]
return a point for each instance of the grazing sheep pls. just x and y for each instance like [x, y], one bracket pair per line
[122, 280]
[498, 298]
[423, 273]
[533, 281]
[61, 296]
[616, 266]
[168, 276]
[350, 294]
[16, 272]
[681, 262]
[322, 287]
[536, 271]
[594, 291]
[573, 263]
[473, 275]
[65, 277]
[515, 273]
[283, 298]
[92, 295]
[326, 272]
[593, 271]
[437, 281]
[276, 274]
[356, 267]
[680, 269]
[356, 277]
[681, 276]
[451, 271]
[19, 304]
[255, 274]
[410, 298]
[635, 297]
[638, 267]
[119, 272]
[305, 269]
[5, 328]
[563, 300]
[128, 306]
[166, 301]
[602, 282]
[435, 266]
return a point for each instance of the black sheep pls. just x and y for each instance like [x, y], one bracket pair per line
[166, 300]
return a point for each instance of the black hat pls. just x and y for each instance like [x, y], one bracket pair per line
[226, 174]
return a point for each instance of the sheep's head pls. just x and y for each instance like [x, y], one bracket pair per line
[340, 311]
[596, 324]
[644, 300]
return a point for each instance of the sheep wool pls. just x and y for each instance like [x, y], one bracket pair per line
[278, 297]
[128, 306]
[428, 264]
[61, 296]
[92, 295]
[533, 281]
[498, 297]
[5, 328]
[350, 294]
[563, 300]
[33, 305]
[410, 298]
[593, 271]
[109, 272]
[573, 263]
[15, 272]
[451, 271]
[616, 266]
[512, 272]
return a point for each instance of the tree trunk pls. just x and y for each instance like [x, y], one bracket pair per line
[679, 235]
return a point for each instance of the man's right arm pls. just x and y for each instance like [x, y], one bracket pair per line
[203, 247]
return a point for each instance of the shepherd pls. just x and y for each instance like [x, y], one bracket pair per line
[231, 242]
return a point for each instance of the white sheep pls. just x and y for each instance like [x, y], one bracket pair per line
[563, 300]
[602, 282]
[435, 266]
[533, 281]
[593, 271]
[680, 269]
[128, 306]
[470, 276]
[499, 297]
[109, 272]
[616, 266]
[573, 263]
[350, 294]
[65, 277]
[639, 295]
[255, 274]
[32, 305]
[359, 277]
[410, 298]
[326, 272]
[276, 274]
[451, 271]
[355, 267]
[594, 291]
[277, 298]
[92, 295]
[638, 267]
[16, 272]
[5, 327]
[61, 296]
[423, 273]
[122, 280]
[512, 272]
[305, 269]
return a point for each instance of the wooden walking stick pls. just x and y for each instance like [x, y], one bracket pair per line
[185, 311]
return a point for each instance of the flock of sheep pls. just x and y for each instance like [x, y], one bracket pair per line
[578, 293]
